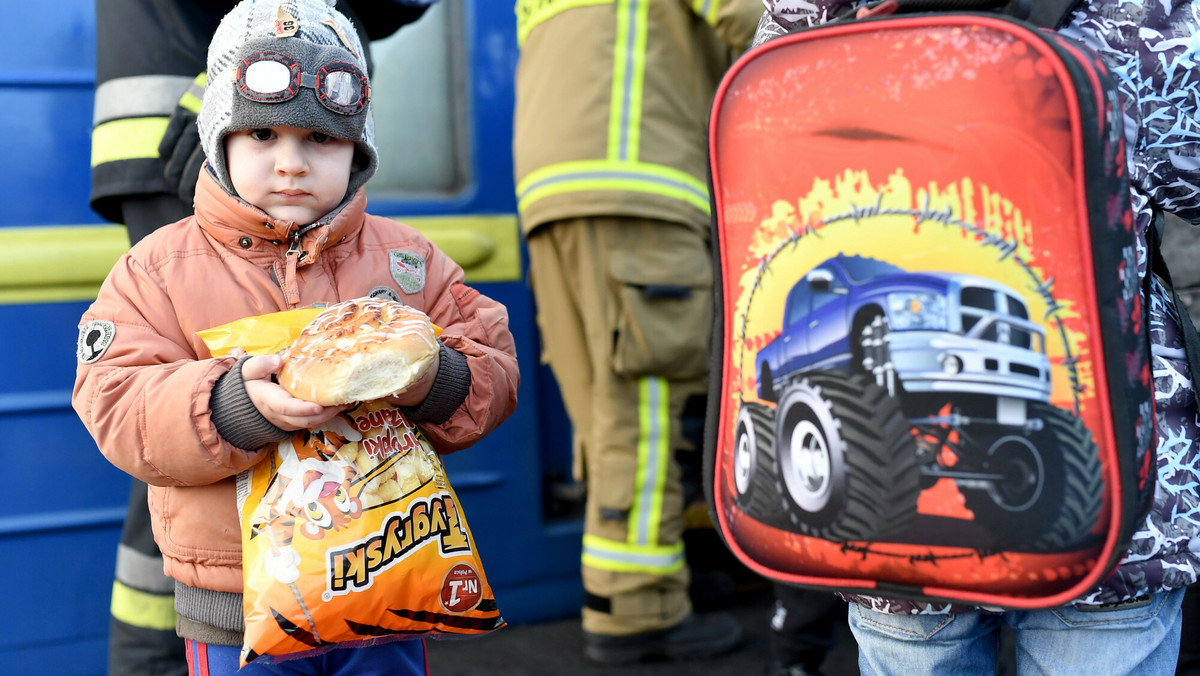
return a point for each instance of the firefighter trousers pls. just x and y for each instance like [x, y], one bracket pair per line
[625, 314]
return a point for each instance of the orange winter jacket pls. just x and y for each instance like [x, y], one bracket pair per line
[145, 398]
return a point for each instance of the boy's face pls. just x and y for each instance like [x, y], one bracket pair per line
[292, 174]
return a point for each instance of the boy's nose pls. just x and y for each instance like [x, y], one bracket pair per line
[289, 158]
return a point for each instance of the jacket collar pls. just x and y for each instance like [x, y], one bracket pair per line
[229, 219]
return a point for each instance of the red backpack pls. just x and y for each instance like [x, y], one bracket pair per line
[932, 375]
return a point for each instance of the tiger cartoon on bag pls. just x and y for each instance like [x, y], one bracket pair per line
[325, 479]
[312, 484]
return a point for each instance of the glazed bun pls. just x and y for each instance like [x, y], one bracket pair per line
[359, 350]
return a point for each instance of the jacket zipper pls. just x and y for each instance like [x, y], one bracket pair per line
[291, 289]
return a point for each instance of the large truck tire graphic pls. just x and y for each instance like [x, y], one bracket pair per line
[846, 460]
[1040, 501]
[755, 475]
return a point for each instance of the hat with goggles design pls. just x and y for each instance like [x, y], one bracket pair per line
[287, 63]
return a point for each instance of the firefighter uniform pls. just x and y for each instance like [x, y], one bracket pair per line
[612, 101]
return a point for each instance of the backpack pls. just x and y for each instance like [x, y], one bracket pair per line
[931, 374]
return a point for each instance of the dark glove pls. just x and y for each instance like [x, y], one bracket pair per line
[180, 148]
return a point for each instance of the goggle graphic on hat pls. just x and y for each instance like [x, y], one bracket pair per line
[272, 77]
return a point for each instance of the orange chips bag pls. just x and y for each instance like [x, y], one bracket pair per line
[352, 535]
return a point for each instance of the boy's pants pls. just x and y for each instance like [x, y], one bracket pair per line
[625, 312]
[1139, 637]
[394, 658]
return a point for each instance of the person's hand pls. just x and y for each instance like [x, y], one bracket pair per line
[274, 403]
[415, 393]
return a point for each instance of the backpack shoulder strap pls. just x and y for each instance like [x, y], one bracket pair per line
[1187, 330]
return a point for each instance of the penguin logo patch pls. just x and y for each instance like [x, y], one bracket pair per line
[94, 339]
[408, 269]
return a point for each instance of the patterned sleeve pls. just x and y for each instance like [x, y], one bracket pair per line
[1152, 47]
[783, 16]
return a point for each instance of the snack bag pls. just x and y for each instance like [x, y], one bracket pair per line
[352, 535]
[263, 334]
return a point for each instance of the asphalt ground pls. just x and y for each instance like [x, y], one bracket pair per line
[556, 648]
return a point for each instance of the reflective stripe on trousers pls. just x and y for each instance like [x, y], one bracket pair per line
[641, 551]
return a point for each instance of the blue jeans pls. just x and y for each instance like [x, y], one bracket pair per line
[1136, 638]
[394, 658]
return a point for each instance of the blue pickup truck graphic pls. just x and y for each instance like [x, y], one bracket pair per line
[883, 381]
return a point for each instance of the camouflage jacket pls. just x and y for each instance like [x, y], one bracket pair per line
[1152, 47]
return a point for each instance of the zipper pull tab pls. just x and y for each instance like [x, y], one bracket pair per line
[294, 244]
[291, 259]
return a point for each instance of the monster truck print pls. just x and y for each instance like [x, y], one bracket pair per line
[883, 381]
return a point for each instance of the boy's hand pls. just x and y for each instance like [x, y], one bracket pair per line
[415, 393]
[275, 404]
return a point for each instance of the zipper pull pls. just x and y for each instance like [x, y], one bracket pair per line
[292, 258]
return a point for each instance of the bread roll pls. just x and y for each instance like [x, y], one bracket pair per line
[359, 350]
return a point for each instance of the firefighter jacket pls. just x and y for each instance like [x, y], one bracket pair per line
[612, 103]
[145, 379]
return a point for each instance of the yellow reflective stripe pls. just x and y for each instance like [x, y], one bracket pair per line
[139, 609]
[195, 94]
[708, 9]
[530, 13]
[633, 130]
[568, 177]
[129, 139]
[616, 100]
[629, 66]
[625, 558]
[653, 449]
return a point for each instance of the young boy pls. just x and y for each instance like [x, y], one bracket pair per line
[279, 224]
[1131, 622]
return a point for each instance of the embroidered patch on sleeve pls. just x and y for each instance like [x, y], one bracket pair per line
[94, 339]
[408, 269]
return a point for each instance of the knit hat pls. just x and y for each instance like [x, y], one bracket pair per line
[310, 33]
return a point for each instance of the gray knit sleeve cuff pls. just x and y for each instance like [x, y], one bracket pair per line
[236, 418]
[449, 390]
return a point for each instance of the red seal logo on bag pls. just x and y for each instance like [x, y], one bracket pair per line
[462, 589]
